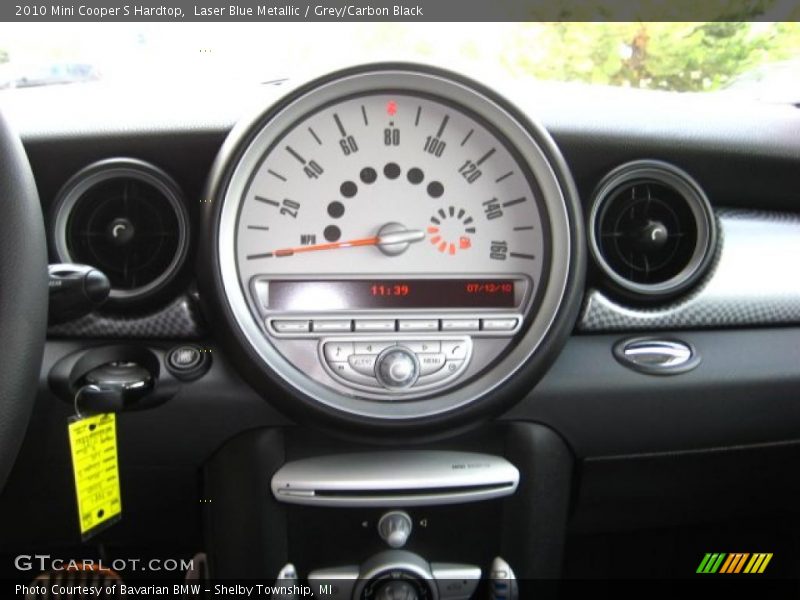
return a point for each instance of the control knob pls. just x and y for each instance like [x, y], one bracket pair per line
[397, 368]
[395, 527]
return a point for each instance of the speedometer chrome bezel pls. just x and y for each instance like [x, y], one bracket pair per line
[247, 145]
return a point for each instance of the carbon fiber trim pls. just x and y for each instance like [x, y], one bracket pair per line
[753, 281]
[178, 320]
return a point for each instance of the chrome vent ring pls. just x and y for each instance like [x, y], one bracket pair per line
[127, 218]
[651, 229]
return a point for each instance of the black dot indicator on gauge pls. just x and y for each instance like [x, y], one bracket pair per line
[335, 209]
[348, 189]
[332, 233]
[415, 175]
[435, 189]
[392, 170]
[368, 175]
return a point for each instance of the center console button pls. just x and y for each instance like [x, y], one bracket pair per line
[374, 325]
[430, 363]
[345, 371]
[418, 325]
[363, 363]
[419, 346]
[456, 349]
[450, 369]
[498, 324]
[184, 358]
[291, 326]
[338, 351]
[453, 366]
[461, 324]
[372, 347]
[331, 325]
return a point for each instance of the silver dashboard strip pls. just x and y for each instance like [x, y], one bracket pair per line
[755, 280]
[395, 478]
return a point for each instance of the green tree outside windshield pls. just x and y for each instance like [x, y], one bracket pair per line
[668, 56]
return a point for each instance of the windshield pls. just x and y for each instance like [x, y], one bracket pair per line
[756, 59]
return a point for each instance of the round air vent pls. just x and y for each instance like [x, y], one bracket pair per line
[126, 218]
[651, 229]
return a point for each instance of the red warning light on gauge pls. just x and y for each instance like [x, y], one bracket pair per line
[391, 108]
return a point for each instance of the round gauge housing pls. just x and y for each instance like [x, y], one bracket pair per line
[393, 245]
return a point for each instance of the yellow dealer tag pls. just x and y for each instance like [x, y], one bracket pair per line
[93, 442]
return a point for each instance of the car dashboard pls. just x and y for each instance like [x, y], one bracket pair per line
[396, 268]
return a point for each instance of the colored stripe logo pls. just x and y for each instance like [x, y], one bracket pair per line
[735, 562]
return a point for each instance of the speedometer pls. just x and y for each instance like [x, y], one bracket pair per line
[392, 243]
[393, 182]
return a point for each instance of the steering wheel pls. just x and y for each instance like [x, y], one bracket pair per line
[23, 294]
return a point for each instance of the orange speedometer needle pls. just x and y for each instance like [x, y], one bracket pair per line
[394, 238]
[371, 241]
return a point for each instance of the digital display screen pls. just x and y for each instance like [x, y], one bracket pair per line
[349, 294]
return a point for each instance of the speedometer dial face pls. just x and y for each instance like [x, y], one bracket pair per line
[394, 184]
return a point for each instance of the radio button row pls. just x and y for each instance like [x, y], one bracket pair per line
[461, 324]
[303, 327]
[292, 326]
[418, 325]
[430, 363]
[374, 325]
[498, 324]
[363, 363]
[338, 351]
[331, 326]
